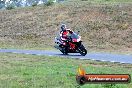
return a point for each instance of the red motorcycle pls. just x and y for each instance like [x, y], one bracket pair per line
[72, 45]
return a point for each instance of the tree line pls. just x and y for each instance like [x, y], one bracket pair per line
[22, 3]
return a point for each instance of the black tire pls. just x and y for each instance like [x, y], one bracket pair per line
[65, 51]
[82, 50]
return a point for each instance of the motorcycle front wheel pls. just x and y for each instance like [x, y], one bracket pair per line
[82, 50]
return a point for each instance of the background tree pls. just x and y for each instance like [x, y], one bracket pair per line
[2, 4]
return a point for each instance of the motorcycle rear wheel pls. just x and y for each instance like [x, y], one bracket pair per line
[64, 51]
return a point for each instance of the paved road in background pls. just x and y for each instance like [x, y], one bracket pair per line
[92, 56]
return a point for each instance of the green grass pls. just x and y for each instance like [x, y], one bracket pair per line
[30, 71]
[29, 45]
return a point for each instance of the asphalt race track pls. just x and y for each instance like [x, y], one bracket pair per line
[92, 56]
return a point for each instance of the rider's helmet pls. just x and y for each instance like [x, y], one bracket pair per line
[63, 27]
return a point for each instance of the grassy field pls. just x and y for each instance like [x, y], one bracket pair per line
[105, 25]
[30, 71]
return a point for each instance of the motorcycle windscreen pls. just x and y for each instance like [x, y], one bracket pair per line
[75, 37]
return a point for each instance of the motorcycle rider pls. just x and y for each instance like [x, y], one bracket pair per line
[64, 35]
[65, 32]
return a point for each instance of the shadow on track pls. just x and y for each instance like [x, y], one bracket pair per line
[68, 55]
